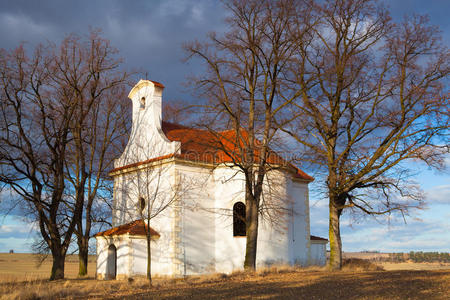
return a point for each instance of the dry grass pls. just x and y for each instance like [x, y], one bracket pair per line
[358, 280]
[23, 266]
[357, 264]
[293, 284]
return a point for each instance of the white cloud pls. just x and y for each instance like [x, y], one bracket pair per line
[11, 226]
[426, 235]
[438, 194]
[447, 161]
[16, 244]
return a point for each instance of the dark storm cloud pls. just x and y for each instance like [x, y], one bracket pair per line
[437, 10]
[148, 34]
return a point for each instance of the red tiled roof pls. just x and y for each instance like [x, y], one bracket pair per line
[316, 238]
[204, 146]
[156, 83]
[133, 228]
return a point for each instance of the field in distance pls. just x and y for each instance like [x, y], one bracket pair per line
[24, 266]
[382, 259]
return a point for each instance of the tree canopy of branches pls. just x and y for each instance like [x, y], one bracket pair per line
[373, 95]
[245, 70]
[361, 95]
[54, 145]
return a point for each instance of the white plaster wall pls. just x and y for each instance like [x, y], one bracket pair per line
[299, 229]
[159, 266]
[273, 239]
[318, 253]
[274, 245]
[102, 255]
[163, 251]
[122, 244]
[157, 185]
[230, 251]
[196, 245]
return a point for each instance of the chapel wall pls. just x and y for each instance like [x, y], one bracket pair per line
[195, 244]
[161, 258]
[155, 184]
[318, 253]
[273, 238]
[273, 242]
[299, 229]
[229, 250]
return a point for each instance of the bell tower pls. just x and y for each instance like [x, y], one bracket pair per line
[147, 139]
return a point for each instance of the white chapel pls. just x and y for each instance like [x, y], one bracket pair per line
[196, 201]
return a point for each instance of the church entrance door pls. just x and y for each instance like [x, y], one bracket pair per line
[111, 264]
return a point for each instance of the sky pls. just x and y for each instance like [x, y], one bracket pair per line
[150, 34]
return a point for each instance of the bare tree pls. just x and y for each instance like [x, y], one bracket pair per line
[244, 81]
[177, 111]
[99, 128]
[373, 96]
[45, 101]
[34, 134]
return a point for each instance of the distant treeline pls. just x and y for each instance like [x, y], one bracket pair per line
[429, 256]
[415, 257]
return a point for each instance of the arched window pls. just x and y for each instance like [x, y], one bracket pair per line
[142, 102]
[141, 204]
[239, 219]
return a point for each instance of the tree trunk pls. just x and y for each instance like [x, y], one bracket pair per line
[149, 257]
[335, 236]
[251, 216]
[83, 255]
[57, 266]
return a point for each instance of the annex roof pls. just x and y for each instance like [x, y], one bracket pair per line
[137, 227]
[316, 238]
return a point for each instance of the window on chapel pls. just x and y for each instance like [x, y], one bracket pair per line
[142, 102]
[141, 204]
[239, 219]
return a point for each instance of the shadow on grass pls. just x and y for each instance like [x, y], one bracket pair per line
[338, 285]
